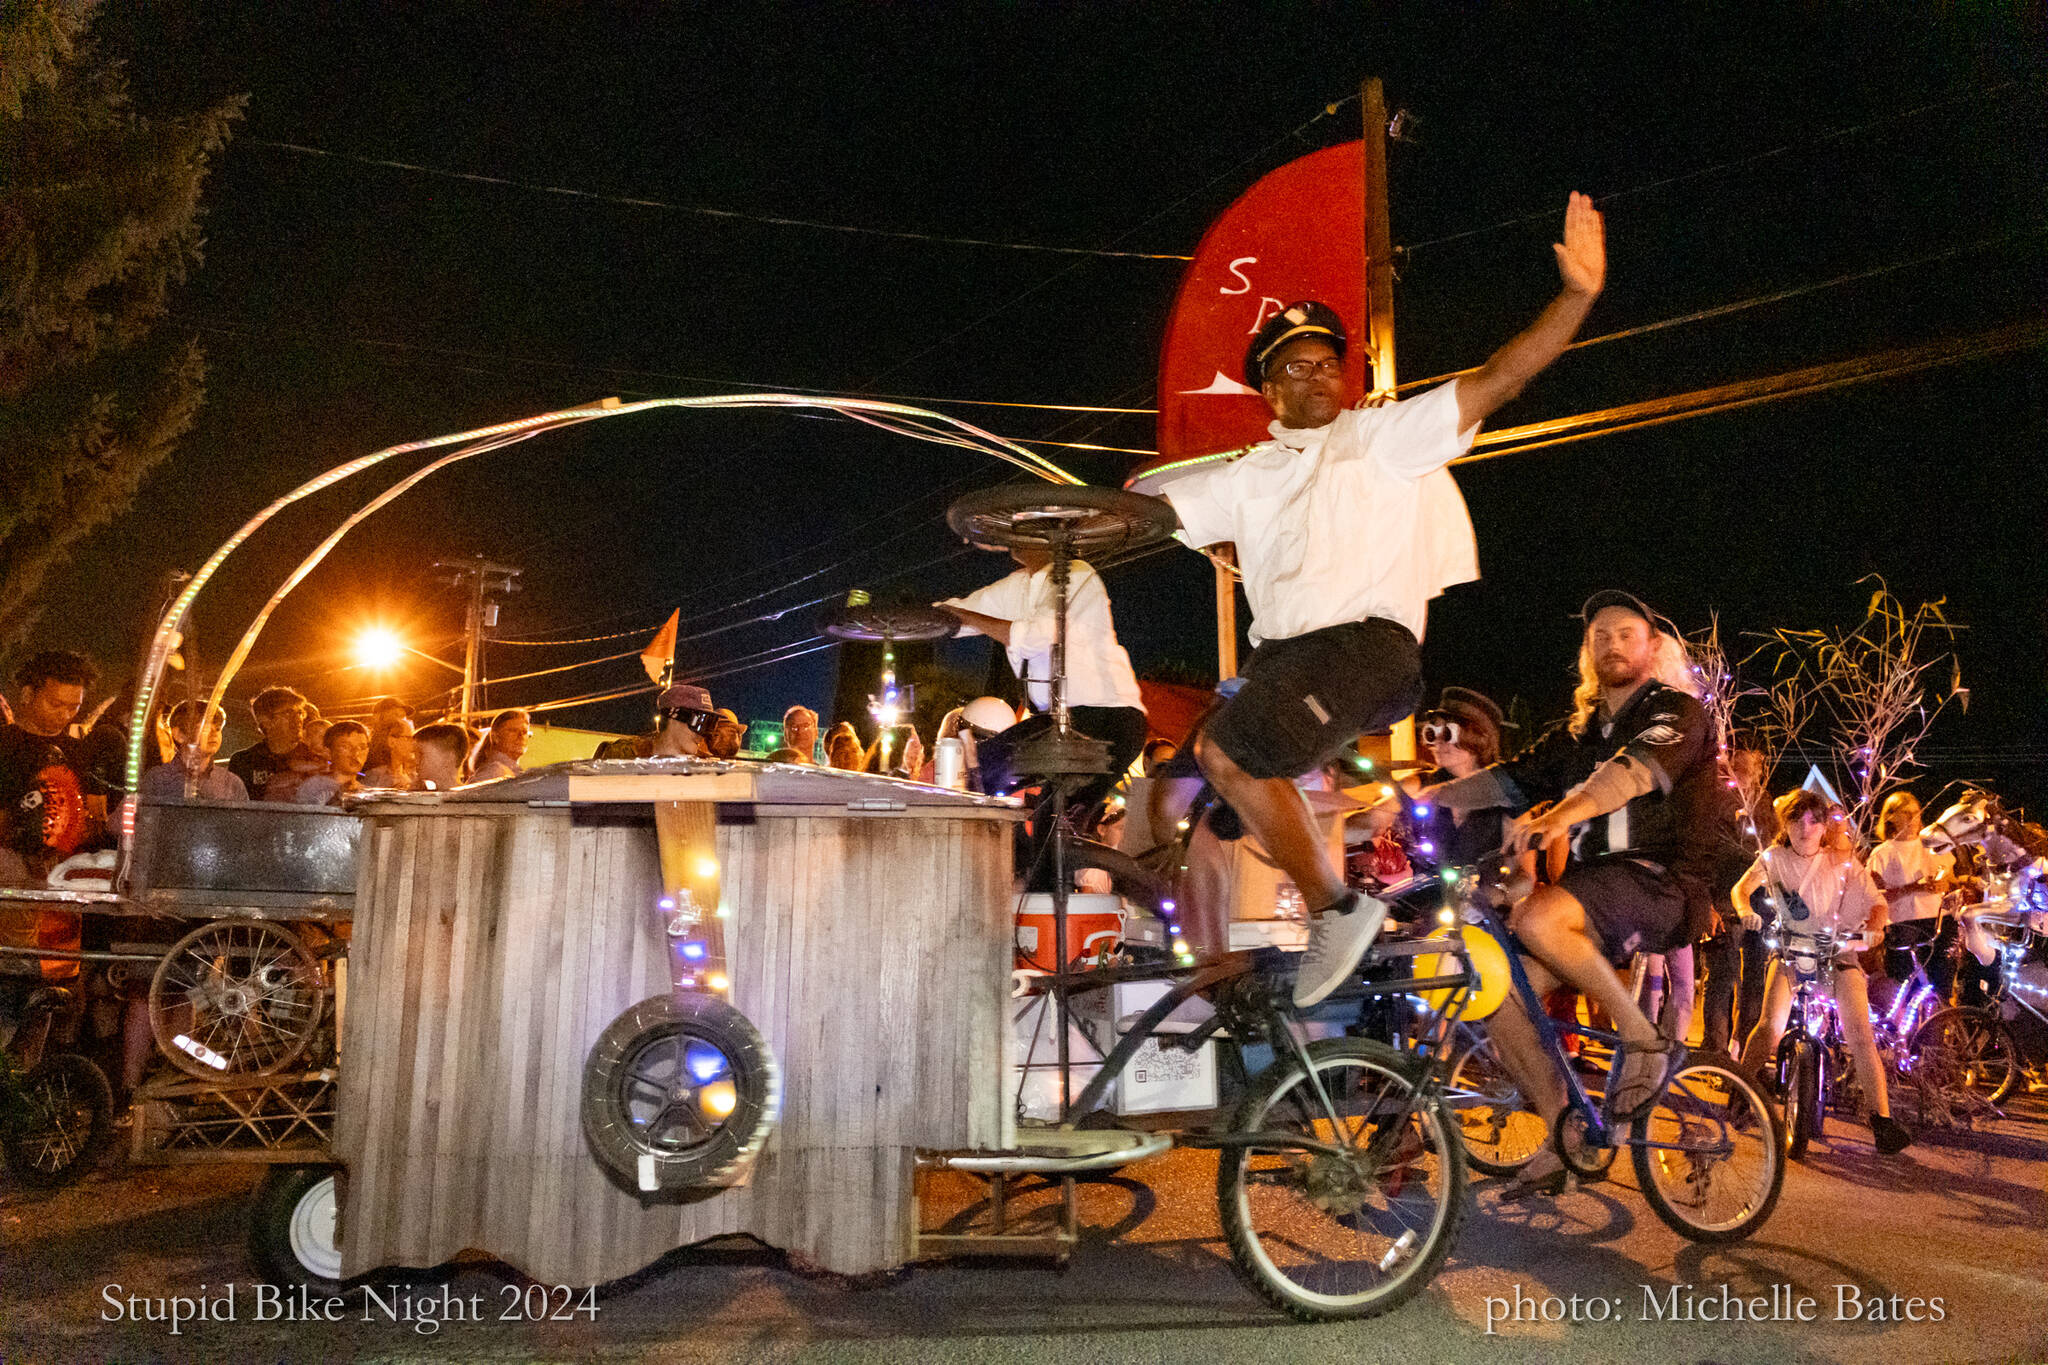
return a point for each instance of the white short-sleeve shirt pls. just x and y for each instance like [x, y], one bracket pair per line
[1098, 670]
[1339, 523]
[1898, 862]
[1834, 886]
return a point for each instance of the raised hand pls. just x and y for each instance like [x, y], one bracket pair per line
[1582, 256]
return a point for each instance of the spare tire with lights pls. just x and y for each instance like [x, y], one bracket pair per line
[679, 1093]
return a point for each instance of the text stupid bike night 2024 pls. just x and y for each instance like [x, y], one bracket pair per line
[425, 1311]
[1719, 1303]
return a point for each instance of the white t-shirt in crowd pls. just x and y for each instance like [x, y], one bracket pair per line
[1835, 888]
[1897, 862]
[1098, 671]
[1333, 524]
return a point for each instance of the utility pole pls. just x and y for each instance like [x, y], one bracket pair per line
[483, 582]
[1379, 292]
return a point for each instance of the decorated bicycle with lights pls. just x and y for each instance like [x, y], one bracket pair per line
[1966, 1058]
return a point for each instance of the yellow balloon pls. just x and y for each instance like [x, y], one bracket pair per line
[1489, 959]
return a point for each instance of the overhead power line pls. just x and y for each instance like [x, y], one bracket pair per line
[1721, 167]
[1745, 393]
[699, 210]
[1722, 310]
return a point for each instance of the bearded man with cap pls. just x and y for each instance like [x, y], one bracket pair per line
[1344, 525]
[1635, 771]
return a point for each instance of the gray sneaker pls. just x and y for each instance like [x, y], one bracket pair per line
[1336, 941]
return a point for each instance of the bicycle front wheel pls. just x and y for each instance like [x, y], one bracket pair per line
[1967, 1048]
[1501, 1130]
[1710, 1158]
[1350, 1233]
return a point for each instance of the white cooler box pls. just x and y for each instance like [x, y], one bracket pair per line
[1154, 1081]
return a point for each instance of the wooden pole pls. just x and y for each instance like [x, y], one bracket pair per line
[1379, 293]
[1226, 622]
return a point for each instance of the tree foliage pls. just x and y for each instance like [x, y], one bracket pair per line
[1877, 690]
[99, 222]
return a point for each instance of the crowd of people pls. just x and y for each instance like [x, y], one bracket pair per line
[1660, 833]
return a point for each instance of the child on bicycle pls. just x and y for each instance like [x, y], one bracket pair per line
[1820, 888]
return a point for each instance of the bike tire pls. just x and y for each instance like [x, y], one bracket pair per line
[66, 1115]
[1789, 1067]
[1500, 1138]
[1709, 1106]
[1813, 1113]
[1979, 1045]
[635, 1118]
[1295, 1207]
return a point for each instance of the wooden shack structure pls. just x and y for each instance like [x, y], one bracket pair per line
[499, 929]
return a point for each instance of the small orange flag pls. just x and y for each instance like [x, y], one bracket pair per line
[660, 654]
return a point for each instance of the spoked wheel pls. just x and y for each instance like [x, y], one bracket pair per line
[1501, 1130]
[65, 1114]
[236, 997]
[679, 1094]
[1710, 1158]
[1968, 1049]
[1345, 1234]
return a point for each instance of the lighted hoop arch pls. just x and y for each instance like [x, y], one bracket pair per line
[917, 423]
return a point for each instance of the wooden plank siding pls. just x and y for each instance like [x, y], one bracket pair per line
[493, 946]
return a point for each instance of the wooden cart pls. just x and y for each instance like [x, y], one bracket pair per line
[500, 929]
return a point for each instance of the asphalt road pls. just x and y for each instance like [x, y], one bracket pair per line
[1961, 1218]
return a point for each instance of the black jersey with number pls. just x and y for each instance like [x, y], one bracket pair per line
[1679, 822]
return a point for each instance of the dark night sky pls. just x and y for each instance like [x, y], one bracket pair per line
[346, 307]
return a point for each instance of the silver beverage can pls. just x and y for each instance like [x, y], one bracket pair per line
[949, 765]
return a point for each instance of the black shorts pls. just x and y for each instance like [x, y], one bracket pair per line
[1306, 697]
[1631, 906]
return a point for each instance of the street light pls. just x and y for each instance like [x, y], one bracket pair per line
[378, 647]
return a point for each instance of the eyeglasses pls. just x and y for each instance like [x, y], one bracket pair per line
[1440, 731]
[1302, 369]
[703, 722]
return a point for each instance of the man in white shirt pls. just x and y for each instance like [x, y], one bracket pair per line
[1345, 524]
[1102, 690]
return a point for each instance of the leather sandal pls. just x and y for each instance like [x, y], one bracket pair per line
[1644, 1073]
[1531, 1183]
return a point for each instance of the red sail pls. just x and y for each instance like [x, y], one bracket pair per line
[1299, 233]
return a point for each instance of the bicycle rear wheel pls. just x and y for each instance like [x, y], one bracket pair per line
[1322, 1236]
[1500, 1129]
[1710, 1158]
[1969, 1048]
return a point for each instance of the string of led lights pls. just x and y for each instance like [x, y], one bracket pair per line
[916, 423]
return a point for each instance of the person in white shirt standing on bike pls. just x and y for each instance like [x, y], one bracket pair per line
[1819, 888]
[1345, 525]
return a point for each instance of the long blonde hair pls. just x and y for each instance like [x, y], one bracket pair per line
[1669, 664]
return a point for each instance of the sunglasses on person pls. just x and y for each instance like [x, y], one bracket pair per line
[689, 717]
[1437, 728]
